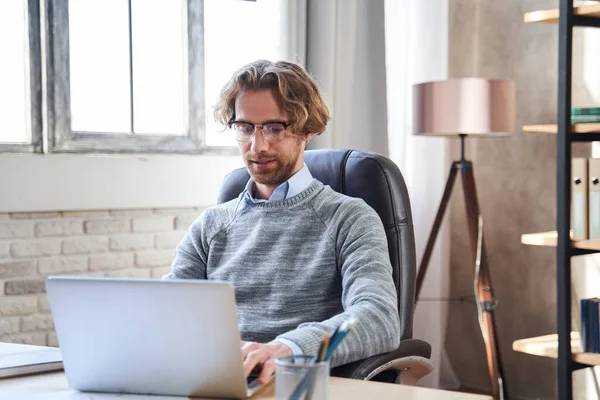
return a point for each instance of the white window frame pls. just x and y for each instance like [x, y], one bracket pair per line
[34, 106]
[62, 139]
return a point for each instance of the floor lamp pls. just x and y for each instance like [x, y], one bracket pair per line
[460, 108]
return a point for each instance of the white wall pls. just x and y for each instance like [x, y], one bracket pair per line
[102, 182]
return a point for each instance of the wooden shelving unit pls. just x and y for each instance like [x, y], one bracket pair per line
[549, 239]
[565, 346]
[547, 346]
[552, 16]
[553, 128]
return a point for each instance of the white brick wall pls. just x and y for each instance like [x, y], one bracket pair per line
[168, 240]
[17, 268]
[59, 228]
[35, 248]
[43, 304]
[154, 258]
[9, 325]
[131, 242]
[154, 224]
[111, 243]
[52, 340]
[111, 261]
[19, 305]
[62, 264]
[85, 244]
[160, 272]
[16, 229]
[37, 322]
[183, 222]
[36, 339]
[4, 248]
[104, 226]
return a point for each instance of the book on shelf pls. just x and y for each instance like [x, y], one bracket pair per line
[594, 197]
[19, 359]
[578, 111]
[585, 115]
[590, 325]
[585, 119]
[579, 198]
[585, 198]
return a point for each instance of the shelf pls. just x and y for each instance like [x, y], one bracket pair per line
[547, 346]
[551, 16]
[553, 129]
[549, 239]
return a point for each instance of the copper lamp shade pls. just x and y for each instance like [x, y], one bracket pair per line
[468, 106]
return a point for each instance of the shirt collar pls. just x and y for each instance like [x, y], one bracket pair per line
[294, 185]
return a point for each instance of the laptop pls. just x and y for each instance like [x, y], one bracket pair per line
[137, 336]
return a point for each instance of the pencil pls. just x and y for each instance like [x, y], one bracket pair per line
[323, 348]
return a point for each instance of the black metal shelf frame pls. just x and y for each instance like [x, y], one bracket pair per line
[564, 250]
[563, 201]
[582, 20]
[582, 252]
[586, 137]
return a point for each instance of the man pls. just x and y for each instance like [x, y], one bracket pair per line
[301, 257]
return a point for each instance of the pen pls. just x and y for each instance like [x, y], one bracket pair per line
[339, 336]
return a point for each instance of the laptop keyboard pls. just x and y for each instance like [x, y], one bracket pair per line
[252, 381]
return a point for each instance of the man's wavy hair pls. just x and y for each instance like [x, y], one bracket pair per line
[295, 91]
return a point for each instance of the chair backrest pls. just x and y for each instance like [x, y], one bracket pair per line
[378, 181]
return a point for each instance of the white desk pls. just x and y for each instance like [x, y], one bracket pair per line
[53, 386]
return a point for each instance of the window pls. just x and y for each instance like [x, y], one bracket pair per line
[127, 76]
[20, 77]
[148, 83]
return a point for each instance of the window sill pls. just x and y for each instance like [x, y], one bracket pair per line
[100, 182]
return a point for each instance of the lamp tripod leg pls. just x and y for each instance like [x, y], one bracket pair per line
[436, 227]
[484, 295]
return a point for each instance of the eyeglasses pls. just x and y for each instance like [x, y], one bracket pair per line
[272, 131]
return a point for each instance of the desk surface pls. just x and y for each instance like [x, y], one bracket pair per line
[53, 386]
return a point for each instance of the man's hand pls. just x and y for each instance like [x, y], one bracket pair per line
[258, 354]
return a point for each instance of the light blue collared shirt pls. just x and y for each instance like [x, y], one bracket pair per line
[296, 184]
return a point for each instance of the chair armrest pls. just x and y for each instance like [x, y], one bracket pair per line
[361, 369]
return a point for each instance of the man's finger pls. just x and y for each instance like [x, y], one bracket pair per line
[248, 347]
[254, 359]
[268, 369]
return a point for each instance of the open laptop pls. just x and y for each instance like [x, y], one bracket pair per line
[138, 336]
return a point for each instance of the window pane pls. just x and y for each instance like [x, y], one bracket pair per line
[13, 72]
[99, 61]
[236, 33]
[158, 66]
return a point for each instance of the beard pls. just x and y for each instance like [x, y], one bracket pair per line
[279, 170]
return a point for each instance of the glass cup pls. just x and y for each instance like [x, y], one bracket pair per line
[300, 377]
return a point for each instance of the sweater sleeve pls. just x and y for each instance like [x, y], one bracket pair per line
[192, 254]
[368, 291]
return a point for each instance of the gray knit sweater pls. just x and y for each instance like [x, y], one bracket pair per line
[299, 268]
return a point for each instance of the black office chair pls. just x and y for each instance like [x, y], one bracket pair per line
[378, 181]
